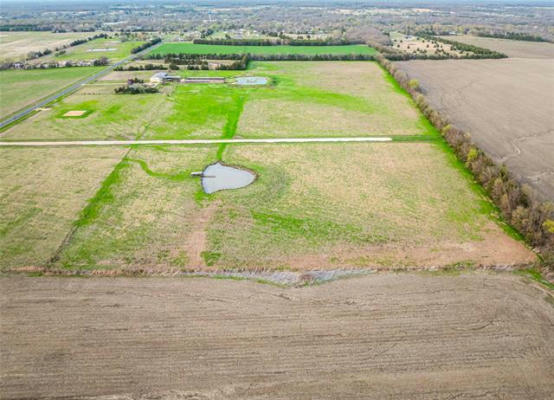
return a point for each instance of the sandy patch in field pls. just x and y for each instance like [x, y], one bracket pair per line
[74, 113]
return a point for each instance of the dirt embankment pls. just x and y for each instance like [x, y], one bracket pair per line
[393, 336]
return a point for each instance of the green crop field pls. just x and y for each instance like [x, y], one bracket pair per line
[21, 88]
[190, 48]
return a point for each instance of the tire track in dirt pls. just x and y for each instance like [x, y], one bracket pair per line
[196, 243]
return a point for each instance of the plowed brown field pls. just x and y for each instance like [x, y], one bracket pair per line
[505, 104]
[383, 336]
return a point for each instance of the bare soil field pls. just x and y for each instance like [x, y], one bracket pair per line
[505, 104]
[383, 336]
[15, 46]
[512, 48]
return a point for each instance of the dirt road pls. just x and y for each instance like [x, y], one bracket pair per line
[383, 336]
[31, 143]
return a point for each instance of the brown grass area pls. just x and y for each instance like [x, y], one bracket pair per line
[122, 76]
[269, 118]
[16, 45]
[355, 205]
[416, 45]
[42, 193]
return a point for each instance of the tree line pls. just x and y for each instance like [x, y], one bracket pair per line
[146, 45]
[518, 203]
[471, 52]
[180, 58]
[276, 42]
[477, 52]
[37, 54]
[512, 36]
[135, 86]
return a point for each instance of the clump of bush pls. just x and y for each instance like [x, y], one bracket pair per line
[518, 203]
[136, 86]
[144, 67]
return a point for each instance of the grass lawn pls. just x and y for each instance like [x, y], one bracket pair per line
[42, 193]
[312, 206]
[190, 48]
[22, 88]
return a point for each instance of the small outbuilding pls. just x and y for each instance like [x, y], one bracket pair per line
[161, 77]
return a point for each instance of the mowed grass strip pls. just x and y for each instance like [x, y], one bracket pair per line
[190, 48]
[41, 195]
[20, 88]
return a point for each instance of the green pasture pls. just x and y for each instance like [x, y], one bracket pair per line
[190, 48]
[20, 88]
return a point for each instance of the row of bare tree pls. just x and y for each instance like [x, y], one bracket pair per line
[519, 205]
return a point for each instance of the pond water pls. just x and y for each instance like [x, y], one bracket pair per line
[220, 177]
[251, 80]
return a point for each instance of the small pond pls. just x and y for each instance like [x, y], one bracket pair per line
[220, 177]
[251, 80]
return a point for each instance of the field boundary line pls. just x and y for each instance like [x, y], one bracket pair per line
[192, 141]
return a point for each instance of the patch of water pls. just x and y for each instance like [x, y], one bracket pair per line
[251, 80]
[220, 177]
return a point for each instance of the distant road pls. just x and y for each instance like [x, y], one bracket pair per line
[193, 141]
[72, 88]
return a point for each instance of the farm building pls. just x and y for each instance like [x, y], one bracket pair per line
[161, 77]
